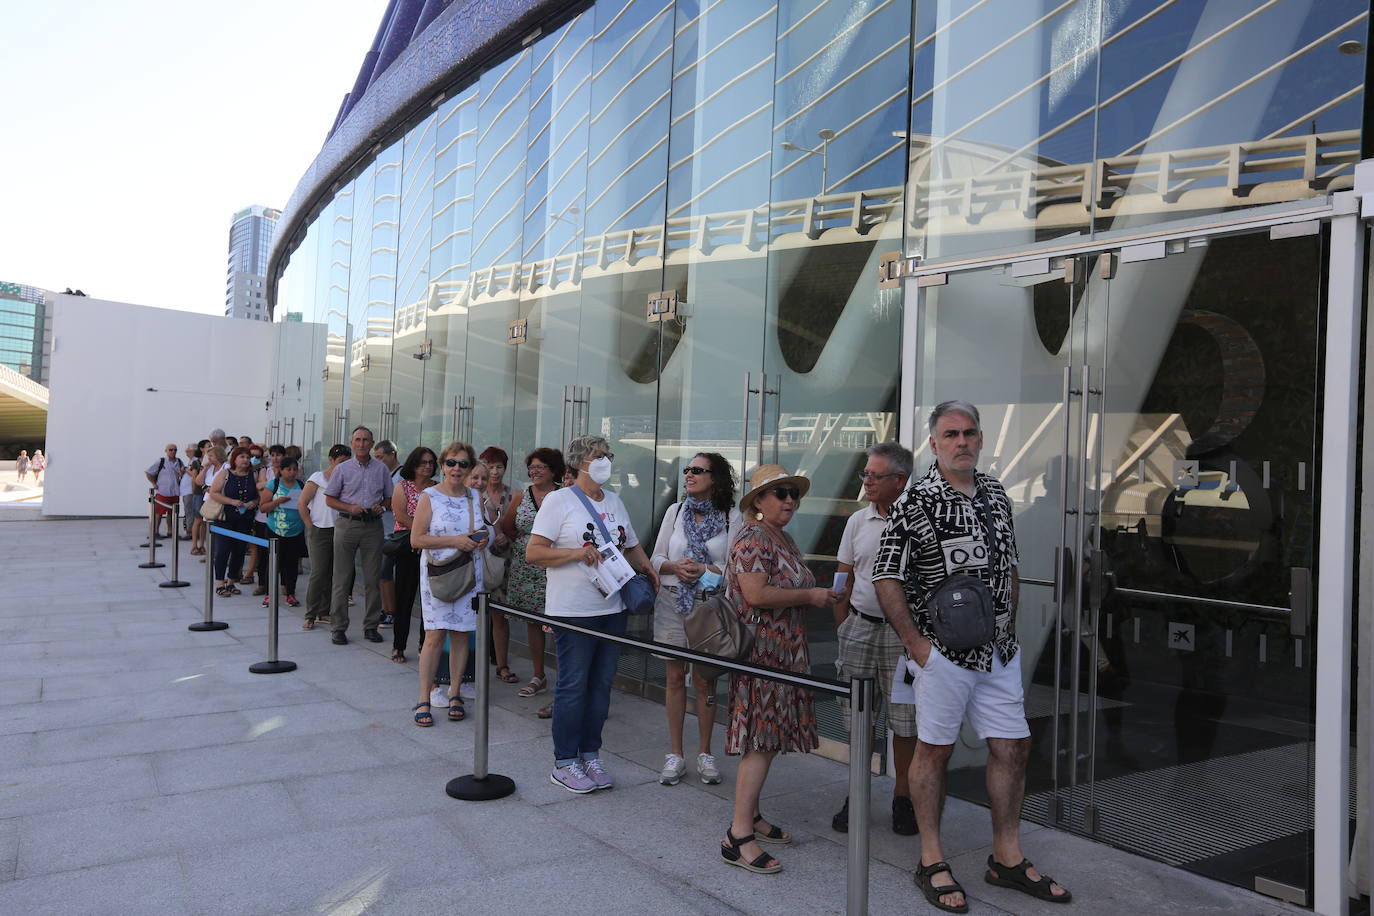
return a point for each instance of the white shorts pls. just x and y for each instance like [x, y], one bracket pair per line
[994, 702]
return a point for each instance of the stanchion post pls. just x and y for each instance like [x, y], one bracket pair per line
[152, 527]
[152, 535]
[273, 665]
[860, 755]
[176, 580]
[209, 623]
[481, 785]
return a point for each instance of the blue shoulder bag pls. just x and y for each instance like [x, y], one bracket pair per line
[638, 593]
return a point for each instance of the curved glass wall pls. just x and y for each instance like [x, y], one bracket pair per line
[488, 275]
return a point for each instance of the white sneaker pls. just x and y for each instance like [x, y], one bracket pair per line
[674, 768]
[597, 773]
[438, 697]
[467, 690]
[706, 769]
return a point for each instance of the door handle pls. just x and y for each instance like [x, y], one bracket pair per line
[744, 442]
[1300, 600]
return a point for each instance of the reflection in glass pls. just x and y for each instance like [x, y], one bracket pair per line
[410, 352]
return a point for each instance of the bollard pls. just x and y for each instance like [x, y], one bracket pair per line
[481, 785]
[176, 580]
[152, 537]
[209, 623]
[273, 665]
[152, 528]
[860, 753]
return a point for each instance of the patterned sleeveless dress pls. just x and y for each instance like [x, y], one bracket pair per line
[525, 582]
[765, 715]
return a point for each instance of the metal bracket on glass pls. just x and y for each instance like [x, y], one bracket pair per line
[324, 374]
[519, 331]
[892, 267]
[366, 362]
[1106, 265]
[666, 305]
[426, 349]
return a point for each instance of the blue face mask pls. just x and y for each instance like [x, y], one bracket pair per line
[708, 581]
[256, 461]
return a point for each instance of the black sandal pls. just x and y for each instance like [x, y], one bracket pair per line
[925, 874]
[423, 719]
[1015, 877]
[398, 656]
[732, 855]
[456, 713]
[510, 677]
[774, 835]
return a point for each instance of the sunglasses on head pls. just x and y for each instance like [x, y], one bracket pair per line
[694, 470]
[457, 463]
[785, 493]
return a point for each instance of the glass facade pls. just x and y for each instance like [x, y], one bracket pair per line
[664, 222]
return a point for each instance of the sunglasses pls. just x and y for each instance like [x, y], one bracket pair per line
[457, 463]
[786, 493]
[694, 470]
[865, 475]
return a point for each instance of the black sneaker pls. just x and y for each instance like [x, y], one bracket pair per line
[840, 821]
[903, 816]
[372, 636]
[339, 639]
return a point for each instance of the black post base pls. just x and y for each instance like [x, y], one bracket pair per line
[470, 788]
[151, 565]
[174, 583]
[278, 667]
[144, 545]
[205, 625]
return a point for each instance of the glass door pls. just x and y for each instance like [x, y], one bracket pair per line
[1151, 411]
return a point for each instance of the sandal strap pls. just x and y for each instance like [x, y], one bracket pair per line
[735, 841]
[933, 869]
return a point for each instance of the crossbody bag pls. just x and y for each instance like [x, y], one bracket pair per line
[637, 593]
[962, 608]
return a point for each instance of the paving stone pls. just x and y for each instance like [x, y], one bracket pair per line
[152, 885]
[188, 823]
[278, 758]
[9, 848]
[60, 786]
[23, 690]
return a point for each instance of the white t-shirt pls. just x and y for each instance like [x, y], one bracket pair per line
[321, 515]
[672, 541]
[858, 547]
[565, 522]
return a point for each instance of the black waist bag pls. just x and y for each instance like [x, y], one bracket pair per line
[963, 612]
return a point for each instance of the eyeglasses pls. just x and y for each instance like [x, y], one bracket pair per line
[531, 468]
[607, 455]
[785, 493]
[694, 470]
[424, 464]
[457, 463]
[865, 475]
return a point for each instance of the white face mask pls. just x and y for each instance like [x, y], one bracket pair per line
[600, 470]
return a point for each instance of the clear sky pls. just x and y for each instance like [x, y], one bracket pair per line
[134, 130]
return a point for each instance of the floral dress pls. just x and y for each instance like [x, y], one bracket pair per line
[450, 515]
[525, 581]
[766, 715]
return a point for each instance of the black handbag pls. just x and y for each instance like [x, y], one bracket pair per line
[397, 542]
[962, 608]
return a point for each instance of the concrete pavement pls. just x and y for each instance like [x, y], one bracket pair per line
[144, 769]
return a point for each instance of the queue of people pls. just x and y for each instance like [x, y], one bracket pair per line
[459, 530]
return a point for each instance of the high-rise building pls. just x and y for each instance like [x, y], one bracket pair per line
[25, 330]
[250, 240]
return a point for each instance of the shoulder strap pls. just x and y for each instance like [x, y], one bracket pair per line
[591, 510]
[985, 510]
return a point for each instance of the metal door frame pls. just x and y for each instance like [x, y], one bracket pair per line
[1339, 401]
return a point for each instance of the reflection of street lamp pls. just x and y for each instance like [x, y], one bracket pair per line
[826, 135]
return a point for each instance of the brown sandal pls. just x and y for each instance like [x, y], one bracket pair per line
[509, 677]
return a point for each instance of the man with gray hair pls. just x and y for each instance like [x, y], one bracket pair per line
[868, 646]
[952, 521]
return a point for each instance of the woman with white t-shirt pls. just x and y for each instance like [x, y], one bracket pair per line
[690, 557]
[318, 519]
[448, 521]
[564, 538]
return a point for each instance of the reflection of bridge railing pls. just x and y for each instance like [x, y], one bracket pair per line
[23, 384]
[1312, 158]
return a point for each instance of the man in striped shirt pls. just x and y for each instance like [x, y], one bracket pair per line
[938, 528]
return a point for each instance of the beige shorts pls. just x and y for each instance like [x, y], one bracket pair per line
[871, 649]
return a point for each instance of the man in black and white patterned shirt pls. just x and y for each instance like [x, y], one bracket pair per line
[936, 530]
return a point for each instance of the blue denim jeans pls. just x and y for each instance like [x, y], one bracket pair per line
[586, 668]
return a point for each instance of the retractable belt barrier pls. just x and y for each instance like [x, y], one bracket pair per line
[152, 541]
[176, 580]
[273, 665]
[482, 785]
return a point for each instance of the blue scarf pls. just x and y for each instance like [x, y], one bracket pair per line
[698, 532]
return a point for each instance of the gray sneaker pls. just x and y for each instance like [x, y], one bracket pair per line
[674, 768]
[706, 769]
[597, 774]
[573, 778]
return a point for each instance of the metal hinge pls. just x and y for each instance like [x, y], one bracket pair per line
[893, 268]
[519, 331]
[665, 305]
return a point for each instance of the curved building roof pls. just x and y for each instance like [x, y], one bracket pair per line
[420, 48]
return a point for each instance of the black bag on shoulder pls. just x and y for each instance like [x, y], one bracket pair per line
[962, 608]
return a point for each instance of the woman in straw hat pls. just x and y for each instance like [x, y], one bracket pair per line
[773, 587]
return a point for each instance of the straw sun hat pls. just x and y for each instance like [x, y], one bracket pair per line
[767, 476]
